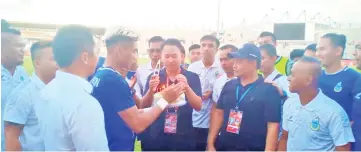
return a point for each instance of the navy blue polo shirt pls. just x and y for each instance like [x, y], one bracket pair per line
[114, 95]
[184, 121]
[260, 105]
[342, 87]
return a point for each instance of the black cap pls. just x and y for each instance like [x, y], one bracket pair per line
[247, 51]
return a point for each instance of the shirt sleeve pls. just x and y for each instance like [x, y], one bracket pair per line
[273, 105]
[340, 128]
[87, 128]
[215, 93]
[285, 116]
[220, 102]
[18, 108]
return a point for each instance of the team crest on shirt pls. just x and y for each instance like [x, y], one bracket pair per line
[22, 78]
[3, 77]
[315, 124]
[217, 74]
[338, 87]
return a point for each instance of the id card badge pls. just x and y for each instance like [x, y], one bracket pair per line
[234, 121]
[170, 125]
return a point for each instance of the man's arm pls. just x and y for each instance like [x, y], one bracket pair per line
[282, 145]
[273, 117]
[340, 130]
[346, 147]
[148, 98]
[194, 93]
[215, 126]
[12, 134]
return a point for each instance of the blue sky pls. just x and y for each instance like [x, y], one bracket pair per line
[167, 13]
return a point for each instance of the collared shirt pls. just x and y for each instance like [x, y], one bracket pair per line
[8, 84]
[281, 82]
[208, 78]
[70, 118]
[142, 74]
[114, 95]
[20, 109]
[342, 87]
[260, 105]
[218, 86]
[320, 125]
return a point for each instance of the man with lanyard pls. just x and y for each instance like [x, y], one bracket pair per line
[248, 110]
[121, 114]
[208, 70]
[70, 118]
[144, 70]
[282, 64]
[313, 122]
[356, 112]
[227, 66]
[338, 82]
[12, 71]
[173, 130]
[21, 123]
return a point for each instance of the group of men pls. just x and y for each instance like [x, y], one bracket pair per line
[249, 98]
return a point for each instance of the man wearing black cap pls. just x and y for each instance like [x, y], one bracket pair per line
[248, 111]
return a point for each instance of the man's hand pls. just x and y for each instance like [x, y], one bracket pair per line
[172, 92]
[275, 85]
[153, 83]
[132, 82]
[182, 78]
[206, 95]
[211, 148]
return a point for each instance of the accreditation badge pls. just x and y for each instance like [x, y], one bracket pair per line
[234, 121]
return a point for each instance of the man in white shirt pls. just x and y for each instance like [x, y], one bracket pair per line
[270, 74]
[21, 123]
[70, 118]
[12, 73]
[227, 66]
[313, 122]
[154, 54]
[208, 70]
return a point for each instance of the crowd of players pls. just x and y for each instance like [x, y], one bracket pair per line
[248, 99]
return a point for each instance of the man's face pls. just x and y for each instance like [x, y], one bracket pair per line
[195, 55]
[227, 63]
[125, 53]
[171, 57]
[327, 53]
[300, 77]
[310, 53]
[266, 40]
[267, 62]
[154, 51]
[14, 51]
[242, 66]
[208, 49]
[45, 63]
[357, 55]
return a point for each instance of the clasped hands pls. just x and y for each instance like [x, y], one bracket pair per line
[172, 92]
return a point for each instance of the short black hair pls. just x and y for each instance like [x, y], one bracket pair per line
[194, 46]
[212, 38]
[229, 46]
[266, 33]
[155, 39]
[338, 40]
[119, 34]
[296, 53]
[174, 42]
[37, 46]
[269, 49]
[312, 47]
[69, 42]
[317, 71]
[7, 28]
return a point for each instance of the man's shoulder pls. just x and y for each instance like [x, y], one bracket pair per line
[105, 76]
[194, 65]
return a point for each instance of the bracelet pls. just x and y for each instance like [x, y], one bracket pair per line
[162, 103]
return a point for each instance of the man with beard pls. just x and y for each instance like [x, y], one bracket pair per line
[12, 71]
